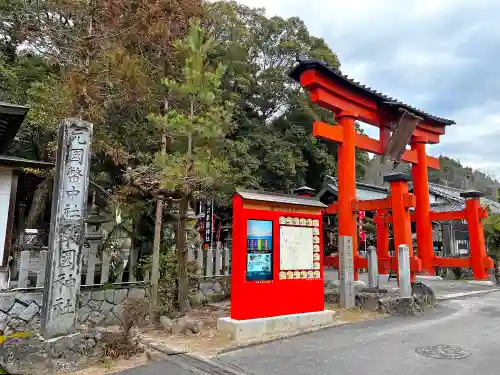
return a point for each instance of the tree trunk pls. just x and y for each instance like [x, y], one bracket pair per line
[155, 263]
[182, 271]
[40, 199]
[497, 270]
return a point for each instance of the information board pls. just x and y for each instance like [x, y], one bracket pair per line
[259, 250]
[296, 248]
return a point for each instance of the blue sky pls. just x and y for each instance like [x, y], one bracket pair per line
[439, 55]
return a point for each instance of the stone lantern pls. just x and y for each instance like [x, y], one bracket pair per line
[94, 224]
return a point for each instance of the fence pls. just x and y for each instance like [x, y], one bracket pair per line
[29, 266]
[212, 262]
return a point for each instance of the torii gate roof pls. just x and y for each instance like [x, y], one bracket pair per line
[381, 99]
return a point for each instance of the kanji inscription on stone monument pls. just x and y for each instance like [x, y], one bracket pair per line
[346, 269]
[62, 281]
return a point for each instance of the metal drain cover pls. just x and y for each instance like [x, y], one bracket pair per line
[443, 352]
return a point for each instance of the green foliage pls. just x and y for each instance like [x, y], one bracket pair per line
[196, 124]
[454, 174]
[272, 143]
[168, 287]
[492, 235]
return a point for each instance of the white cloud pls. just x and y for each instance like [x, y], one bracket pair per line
[440, 56]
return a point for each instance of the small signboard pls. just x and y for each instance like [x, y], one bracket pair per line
[209, 225]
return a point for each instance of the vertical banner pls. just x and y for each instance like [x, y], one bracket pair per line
[209, 222]
[361, 218]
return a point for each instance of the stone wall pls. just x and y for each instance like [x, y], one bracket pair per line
[103, 307]
[20, 311]
[212, 289]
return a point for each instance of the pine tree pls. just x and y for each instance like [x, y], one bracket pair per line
[194, 126]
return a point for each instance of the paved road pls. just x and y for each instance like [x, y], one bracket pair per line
[387, 346]
[381, 347]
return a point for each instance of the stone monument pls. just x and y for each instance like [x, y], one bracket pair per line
[346, 269]
[66, 237]
[373, 278]
[404, 271]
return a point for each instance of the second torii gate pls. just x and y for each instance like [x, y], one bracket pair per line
[351, 101]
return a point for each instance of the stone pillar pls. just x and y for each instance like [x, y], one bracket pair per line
[346, 272]
[66, 237]
[347, 183]
[476, 234]
[448, 244]
[404, 278]
[373, 278]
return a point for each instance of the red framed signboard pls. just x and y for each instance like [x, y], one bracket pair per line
[277, 265]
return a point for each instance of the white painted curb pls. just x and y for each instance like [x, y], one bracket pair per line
[482, 282]
[465, 294]
[431, 278]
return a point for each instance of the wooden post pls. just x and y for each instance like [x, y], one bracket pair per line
[476, 234]
[42, 265]
[210, 262]
[105, 267]
[422, 208]
[199, 258]
[155, 263]
[91, 262]
[227, 254]
[218, 259]
[347, 182]
[24, 266]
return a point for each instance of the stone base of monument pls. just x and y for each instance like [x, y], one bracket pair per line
[239, 330]
[35, 355]
[401, 306]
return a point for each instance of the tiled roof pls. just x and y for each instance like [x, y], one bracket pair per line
[451, 196]
[380, 98]
[15, 162]
[363, 191]
[447, 207]
[11, 118]
[279, 198]
[445, 192]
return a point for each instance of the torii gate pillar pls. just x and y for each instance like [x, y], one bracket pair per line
[401, 201]
[422, 206]
[347, 181]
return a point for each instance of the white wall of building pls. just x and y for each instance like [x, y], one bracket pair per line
[5, 188]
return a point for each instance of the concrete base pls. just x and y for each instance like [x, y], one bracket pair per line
[482, 282]
[257, 328]
[431, 278]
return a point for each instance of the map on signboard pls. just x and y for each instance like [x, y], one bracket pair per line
[296, 248]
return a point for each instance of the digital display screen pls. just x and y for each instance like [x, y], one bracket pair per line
[259, 250]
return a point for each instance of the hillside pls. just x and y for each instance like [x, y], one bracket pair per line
[451, 173]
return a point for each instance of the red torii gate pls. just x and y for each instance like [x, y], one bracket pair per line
[351, 101]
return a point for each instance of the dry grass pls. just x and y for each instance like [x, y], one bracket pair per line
[205, 344]
[209, 342]
[109, 367]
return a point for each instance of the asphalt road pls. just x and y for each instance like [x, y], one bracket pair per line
[381, 347]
